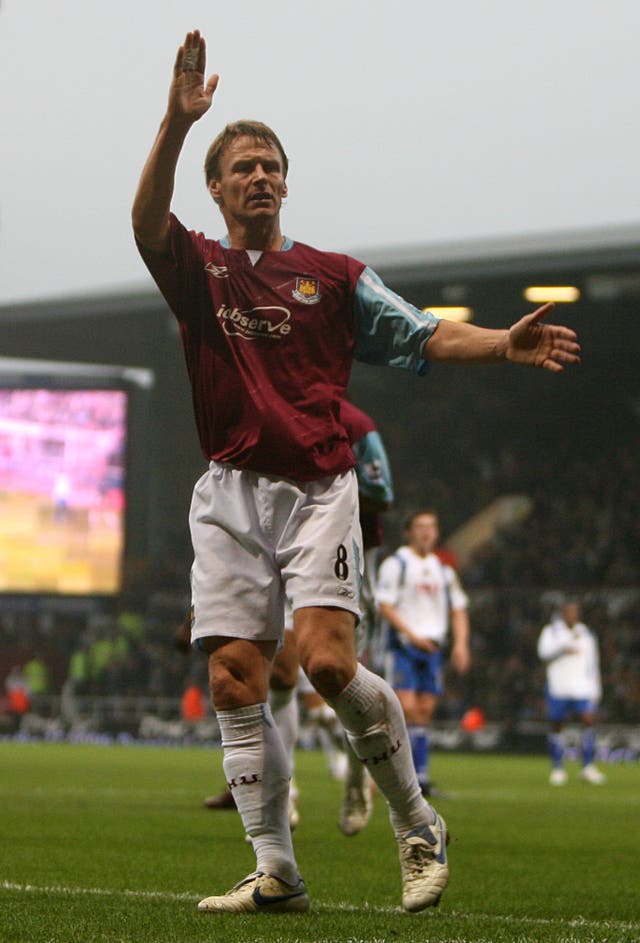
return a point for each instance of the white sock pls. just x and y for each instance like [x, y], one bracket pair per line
[284, 707]
[260, 789]
[356, 770]
[372, 717]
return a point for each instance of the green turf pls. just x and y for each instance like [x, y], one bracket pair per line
[112, 844]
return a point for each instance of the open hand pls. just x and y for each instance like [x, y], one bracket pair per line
[424, 644]
[550, 346]
[189, 97]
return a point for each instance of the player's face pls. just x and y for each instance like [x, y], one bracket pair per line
[251, 184]
[571, 613]
[423, 533]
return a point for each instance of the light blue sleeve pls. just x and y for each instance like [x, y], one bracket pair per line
[389, 330]
[372, 469]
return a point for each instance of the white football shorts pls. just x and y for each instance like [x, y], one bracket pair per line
[258, 539]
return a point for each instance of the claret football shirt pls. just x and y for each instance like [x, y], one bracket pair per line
[269, 339]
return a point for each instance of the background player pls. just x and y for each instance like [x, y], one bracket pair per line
[419, 598]
[569, 650]
[270, 328]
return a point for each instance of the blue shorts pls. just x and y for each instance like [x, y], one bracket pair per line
[559, 708]
[413, 670]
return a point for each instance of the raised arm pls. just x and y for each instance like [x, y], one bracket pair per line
[189, 99]
[529, 341]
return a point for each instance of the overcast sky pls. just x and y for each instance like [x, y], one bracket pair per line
[406, 122]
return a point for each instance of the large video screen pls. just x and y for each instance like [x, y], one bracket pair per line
[62, 490]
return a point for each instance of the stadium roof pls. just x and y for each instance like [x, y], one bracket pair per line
[584, 249]
[616, 245]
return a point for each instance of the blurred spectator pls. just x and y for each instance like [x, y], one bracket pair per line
[18, 694]
[36, 675]
[194, 702]
[79, 673]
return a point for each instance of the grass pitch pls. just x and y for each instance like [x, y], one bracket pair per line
[112, 844]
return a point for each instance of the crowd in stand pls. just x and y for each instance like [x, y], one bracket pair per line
[133, 653]
[582, 535]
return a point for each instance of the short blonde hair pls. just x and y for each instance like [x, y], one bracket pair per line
[253, 129]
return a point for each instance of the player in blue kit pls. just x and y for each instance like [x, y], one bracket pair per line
[569, 650]
[422, 602]
[270, 328]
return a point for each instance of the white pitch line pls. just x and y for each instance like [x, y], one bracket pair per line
[93, 891]
[573, 923]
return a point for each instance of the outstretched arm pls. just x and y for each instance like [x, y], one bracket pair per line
[528, 341]
[189, 99]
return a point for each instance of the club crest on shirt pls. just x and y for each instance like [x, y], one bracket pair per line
[307, 290]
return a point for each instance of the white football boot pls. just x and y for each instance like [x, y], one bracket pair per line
[591, 774]
[356, 808]
[260, 892]
[424, 866]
